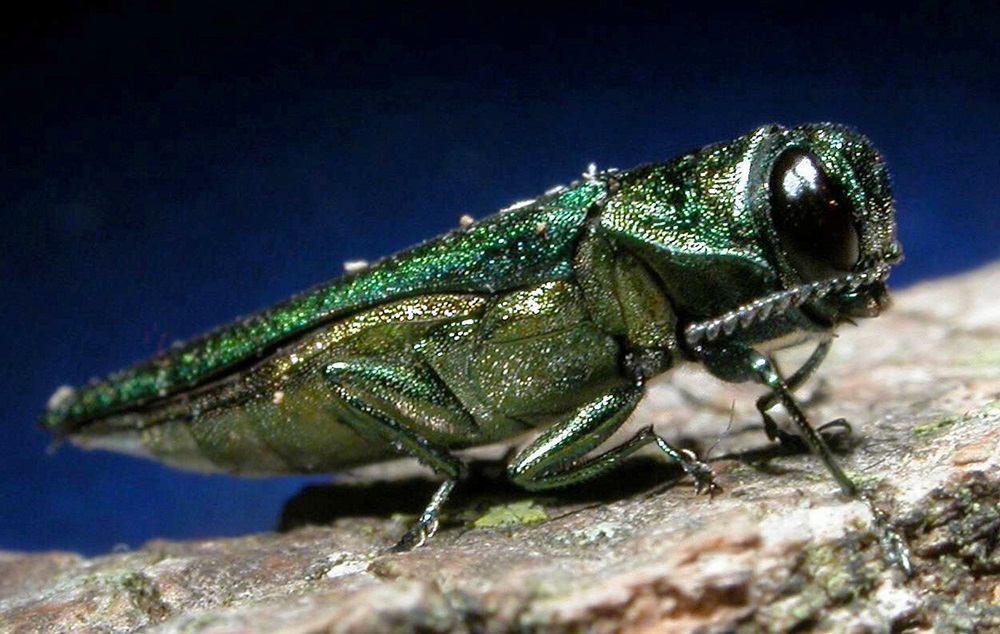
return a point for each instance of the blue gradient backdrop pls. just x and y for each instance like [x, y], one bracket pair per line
[163, 170]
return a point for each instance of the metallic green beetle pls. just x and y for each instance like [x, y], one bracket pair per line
[553, 313]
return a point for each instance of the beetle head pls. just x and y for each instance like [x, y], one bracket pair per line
[831, 215]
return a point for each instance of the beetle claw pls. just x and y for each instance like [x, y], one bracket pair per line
[415, 536]
[704, 479]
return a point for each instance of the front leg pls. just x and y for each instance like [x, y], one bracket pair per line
[553, 459]
[740, 362]
[766, 402]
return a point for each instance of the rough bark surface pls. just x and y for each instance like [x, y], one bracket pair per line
[777, 551]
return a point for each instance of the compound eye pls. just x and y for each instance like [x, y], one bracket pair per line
[813, 217]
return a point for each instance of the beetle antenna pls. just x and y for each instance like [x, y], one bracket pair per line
[761, 309]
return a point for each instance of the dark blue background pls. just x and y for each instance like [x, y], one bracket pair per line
[163, 170]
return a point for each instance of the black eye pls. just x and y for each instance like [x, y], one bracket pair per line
[814, 219]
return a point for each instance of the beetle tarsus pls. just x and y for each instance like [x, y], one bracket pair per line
[427, 525]
[415, 536]
[892, 543]
[704, 479]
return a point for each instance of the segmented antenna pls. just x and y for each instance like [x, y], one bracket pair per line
[760, 309]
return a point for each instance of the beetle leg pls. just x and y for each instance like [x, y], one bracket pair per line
[793, 382]
[551, 460]
[427, 524]
[740, 362]
[892, 543]
[392, 402]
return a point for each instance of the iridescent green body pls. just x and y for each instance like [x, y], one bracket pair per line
[551, 314]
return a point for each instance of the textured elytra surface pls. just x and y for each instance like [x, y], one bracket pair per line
[776, 551]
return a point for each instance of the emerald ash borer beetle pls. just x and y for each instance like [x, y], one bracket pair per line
[551, 314]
